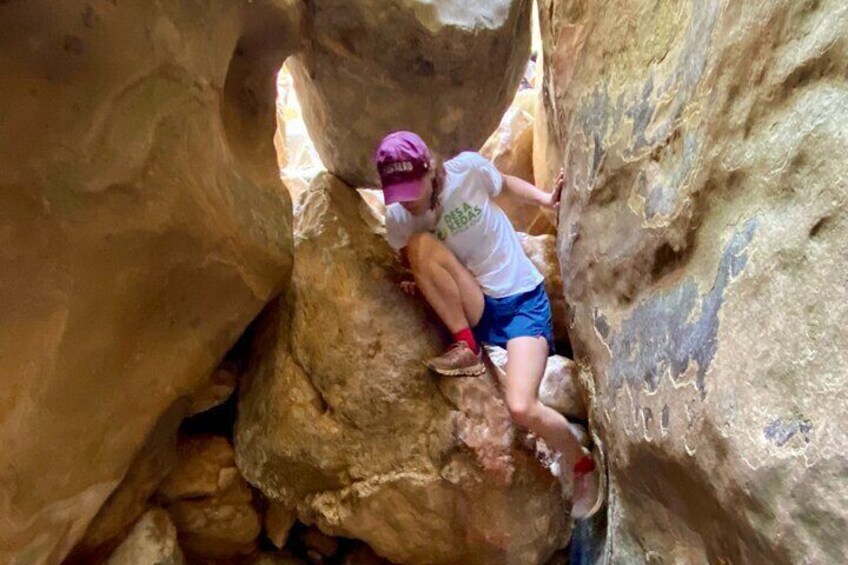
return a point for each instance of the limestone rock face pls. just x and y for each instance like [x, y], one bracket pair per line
[129, 501]
[339, 419]
[142, 226]
[510, 148]
[152, 541]
[703, 240]
[210, 502]
[541, 250]
[442, 68]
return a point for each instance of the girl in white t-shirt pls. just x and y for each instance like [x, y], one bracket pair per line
[470, 267]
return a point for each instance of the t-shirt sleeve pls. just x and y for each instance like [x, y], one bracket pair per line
[491, 177]
[397, 230]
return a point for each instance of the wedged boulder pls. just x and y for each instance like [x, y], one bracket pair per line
[542, 252]
[560, 388]
[702, 242]
[152, 541]
[510, 148]
[278, 522]
[339, 419]
[143, 227]
[209, 501]
[369, 68]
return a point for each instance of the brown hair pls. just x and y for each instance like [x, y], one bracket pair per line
[438, 165]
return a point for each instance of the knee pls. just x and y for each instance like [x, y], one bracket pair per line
[420, 249]
[522, 410]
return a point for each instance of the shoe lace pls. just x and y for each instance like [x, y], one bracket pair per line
[455, 349]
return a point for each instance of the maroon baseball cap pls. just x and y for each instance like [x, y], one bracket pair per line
[402, 161]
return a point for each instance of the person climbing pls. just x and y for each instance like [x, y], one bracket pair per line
[467, 262]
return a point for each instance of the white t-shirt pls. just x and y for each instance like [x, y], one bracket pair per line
[472, 226]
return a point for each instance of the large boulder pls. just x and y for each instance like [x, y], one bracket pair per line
[703, 240]
[142, 226]
[339, 419]
[442, 68]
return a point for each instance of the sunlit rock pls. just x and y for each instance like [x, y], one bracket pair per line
[339, 418]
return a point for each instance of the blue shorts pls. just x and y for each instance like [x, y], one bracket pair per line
[518, 315]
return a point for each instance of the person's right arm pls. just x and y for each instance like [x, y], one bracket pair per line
[397, 235]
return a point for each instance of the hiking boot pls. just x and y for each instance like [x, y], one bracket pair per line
[458, 361]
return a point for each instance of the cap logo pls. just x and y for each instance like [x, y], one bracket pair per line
[400, 166]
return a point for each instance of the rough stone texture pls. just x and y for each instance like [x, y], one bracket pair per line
[338, 417]
[542, 252]
[142, 226]
[152, 541]
[703, 244]
[210, 502]
[547, 156]
[443, 68]
[510, 148]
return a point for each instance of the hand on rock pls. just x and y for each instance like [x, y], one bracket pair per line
[557, 192]
[409, 287]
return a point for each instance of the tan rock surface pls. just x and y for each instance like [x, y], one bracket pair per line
[152, 541]
[210, 502]
[370, 68]
[703, 243]
[339, 418]
[130, 500]
[142, 226]
[205, 466]
[278, 522]
[542, 252]
[510, 148]
[216, 391]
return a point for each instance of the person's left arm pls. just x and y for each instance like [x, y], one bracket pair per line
[526, 192]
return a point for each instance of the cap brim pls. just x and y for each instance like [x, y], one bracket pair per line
[403, 191]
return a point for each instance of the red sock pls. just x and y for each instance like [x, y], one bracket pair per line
[584, 466]
[467, 336]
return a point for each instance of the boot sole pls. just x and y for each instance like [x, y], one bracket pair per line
[475, 371]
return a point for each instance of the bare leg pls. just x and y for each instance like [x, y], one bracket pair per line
[447, 285]
[526, 360]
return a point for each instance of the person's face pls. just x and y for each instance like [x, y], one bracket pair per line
[420, 206]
